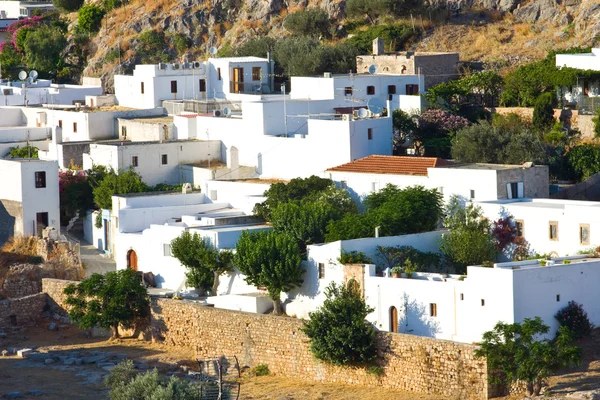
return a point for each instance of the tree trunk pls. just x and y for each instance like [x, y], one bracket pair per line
[529, 389]
[215, 286]
[537, 387]
[115, 331]
[277, 309]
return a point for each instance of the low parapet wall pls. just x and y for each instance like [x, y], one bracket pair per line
[22, 311]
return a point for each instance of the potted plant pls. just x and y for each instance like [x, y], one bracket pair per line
[566, 261]
[409, 268]
[397, 272]
[543, 263]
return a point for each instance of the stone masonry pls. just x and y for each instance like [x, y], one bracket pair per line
[411, 363]
[22, 311]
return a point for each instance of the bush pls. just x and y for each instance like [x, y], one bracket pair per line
[354, 257]
[596, 121]
[108, 5]
[338, 331]
[68, 5]
[111, 55]
[28, 151]
[261, 370]
[543, 112]
[311, 22]
[396, 37]
[181, 43]
[584, 160]
[574, 317]
[89, 18]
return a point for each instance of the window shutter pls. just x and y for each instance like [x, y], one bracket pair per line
[520, 190]
[508, 191]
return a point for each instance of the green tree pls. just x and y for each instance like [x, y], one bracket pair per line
[68, 5]
[351, 226]
[543, 112]
[43, 49]
[371, 9]
[204, 263]
[270, 260]
[468, 240]
[112, 183]
[405, 128]
[584, 160]
[27, 151]
[110, 300]
[309, 22]
[151, 48]
[595, 120]
[89, 18]
[479, 143]
[517, 353]
[181, 43]
[10, 60]
[338, 331]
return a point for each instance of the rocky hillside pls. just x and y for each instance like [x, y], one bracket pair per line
[499, 32]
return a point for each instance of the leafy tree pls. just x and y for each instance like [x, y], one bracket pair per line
[89, 18]
[181, 43]
[75, 192]
[204, 263]
[395, 36]
[338, 331]
[515, 351]
[575, 318]
[27, 151]
[110, 300]
[10, 60]
[351, 226]
[468, 241]
[112, 183]
[584, 160]
[480, 89]
[596, 121]
[43, 48]
[258, 47]
[310, 22]
[372, 9]
[436, 128]
[68, 5]
[151, 48]
[405, 128]
[270, 260]
[479, 143]
[543, 112]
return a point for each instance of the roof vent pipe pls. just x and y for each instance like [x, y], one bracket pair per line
[377, 231]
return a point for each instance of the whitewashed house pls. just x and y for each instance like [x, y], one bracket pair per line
[22, 9]
[29, 199]
[42, 91]
[584, 88]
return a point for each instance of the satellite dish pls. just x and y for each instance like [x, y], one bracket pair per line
[226, 111]
[29, 80]
[22, 75]
[375, 105]
[362, 113]
[213, 51]
[372, 69]
[33, 74]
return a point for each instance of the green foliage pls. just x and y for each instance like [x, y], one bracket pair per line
[126, 384]
[354, 257]
[109, 5]
[396, 37]
[338, 331]
[575, 318]
[75, 193]
[543, 112]
[310, 22]
[376, 370]
[89, 18]
[480, 89]
[396, 256]
[270, 260]
[261, 370]
[584, 160]
[596, 121]
[27, 151]
[517, 353]
[43, 49]
[111, 55]
[372, 9]
[204, 263]
[151, 48]
[125, 182]
[10, 60]
[68, 5]
[468, 241]
[181, 43]
[405, 128]
[108, 300]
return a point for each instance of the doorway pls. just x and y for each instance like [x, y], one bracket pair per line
[393, 319]
[41, 220]
[238, 80]
[132, 260]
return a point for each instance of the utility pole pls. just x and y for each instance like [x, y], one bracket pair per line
[285, 110]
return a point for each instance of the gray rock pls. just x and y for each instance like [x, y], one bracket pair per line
[141, 366]
[34, 392]
[109, 367]
[93, 359]
[2, 335]
[102, 365]
[49, 361]
[71, 361]
[13, 395]
[52, 326]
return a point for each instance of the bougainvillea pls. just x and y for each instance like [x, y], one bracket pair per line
[442, 120]
[574, 317]
[26, 23]
[503, 233]
[68, 177]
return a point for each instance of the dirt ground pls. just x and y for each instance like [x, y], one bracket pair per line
[17, 375]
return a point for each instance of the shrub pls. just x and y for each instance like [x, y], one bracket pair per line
[574, 317]
[261, 370]
[376, 370]
[89, 18]
[596, 121]
[111, 55]
[68, 5]
[27, 151]
[354, 257]
[111, 4]
[311, 22]
[181, 43]
[543, 111]
[338, 331]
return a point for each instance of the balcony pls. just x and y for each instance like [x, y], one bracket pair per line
[255, 87]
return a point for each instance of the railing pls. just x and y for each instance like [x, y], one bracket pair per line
[587, 105]
[249, 87]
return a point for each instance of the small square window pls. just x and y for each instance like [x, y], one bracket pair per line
[462, 296]
[321, 270]
[520, 227]
[173, 86]
[374, 186]
[202, 84]
[482, 302]
[558, 297]
[553, 230]
[391, 89]
[256, 73]
[433, 309]
[142, 87]
[344, 184]
[348, 91]
[472, 194]
[167, 250]
[584, 234]
[134, 161]
[164, 160]
[74, 127]
[40, 179]
[370, 134]
[370, 90]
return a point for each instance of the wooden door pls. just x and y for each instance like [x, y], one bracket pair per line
[238, 80]
[393, 319]
[132, 260]
[41, 220]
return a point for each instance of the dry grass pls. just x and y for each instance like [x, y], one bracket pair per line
[25, 246]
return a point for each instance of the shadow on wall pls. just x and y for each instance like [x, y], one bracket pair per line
[414, 319]
[158, 326]
[7, 224]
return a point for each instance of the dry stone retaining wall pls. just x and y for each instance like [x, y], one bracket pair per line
[23, 311]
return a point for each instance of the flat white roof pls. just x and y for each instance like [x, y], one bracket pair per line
[543, 203]
[240, 59]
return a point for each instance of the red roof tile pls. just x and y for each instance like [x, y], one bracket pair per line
[397, 165]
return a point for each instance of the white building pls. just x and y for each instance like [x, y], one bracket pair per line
[219, 78]
[584, 88]
[563, 227]
[28, 197]
[42, 91]
[470, 181]
[22, 9]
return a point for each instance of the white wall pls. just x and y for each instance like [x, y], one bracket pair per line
[460, 182]
[580, 61]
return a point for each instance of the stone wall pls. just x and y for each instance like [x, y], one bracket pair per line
[11, 219]
[411, 363]
[54, 289]
[23, 311]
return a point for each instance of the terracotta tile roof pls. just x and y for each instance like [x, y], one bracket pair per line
[397, 165]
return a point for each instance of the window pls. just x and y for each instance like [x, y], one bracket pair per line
[348, 91]
[391, 89]
[520, 227]
[142, 87]
[344, 184]
[482, 302]
[213, 195]
[124, 132]
[164, 159]
[167, 250]
[371, 90]
[370, 133]
[584, 234]
[74, 127]
[219, 73]
[412, 90]
[558, 297]
[134, 161]
[256, 73]
[553, 230]
[462, 296]
[203, 85]
[472, 194]
[321, 270]
[433, 309]
[173, 86]
[60, 123]
[514, 190]
[40, 179]
[374, 186]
